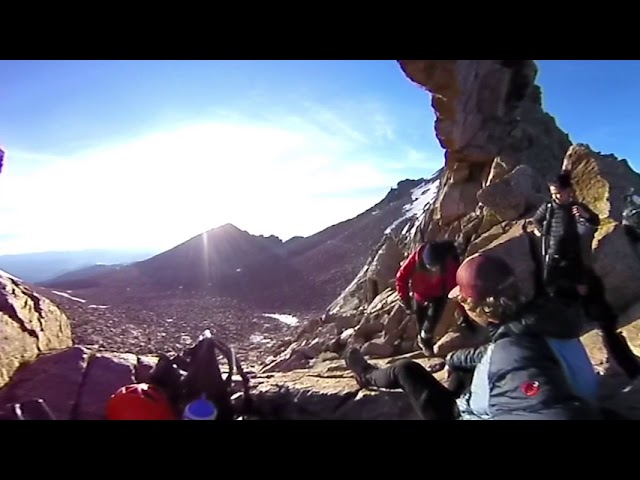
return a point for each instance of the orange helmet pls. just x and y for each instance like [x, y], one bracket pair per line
[139, 401]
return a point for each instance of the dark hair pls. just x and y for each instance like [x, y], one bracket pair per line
[562, 181]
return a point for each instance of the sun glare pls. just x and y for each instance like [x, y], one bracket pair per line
[163, 188]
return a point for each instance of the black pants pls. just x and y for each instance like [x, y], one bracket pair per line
[561, 281]
[561, 277]
[430, 399]
[427, 317]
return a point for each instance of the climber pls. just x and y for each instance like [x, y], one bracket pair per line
[423, 282]
[534, 367]
[567, 228]
[561, 222]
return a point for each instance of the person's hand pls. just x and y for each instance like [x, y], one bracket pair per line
[578, 211]
[436, 366]
[530, 225]
[582, 289]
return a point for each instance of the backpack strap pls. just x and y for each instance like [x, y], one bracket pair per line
[235, 367]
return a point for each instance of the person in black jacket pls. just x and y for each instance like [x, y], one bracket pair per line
[534, 368]
[559, 223]
[567, 272]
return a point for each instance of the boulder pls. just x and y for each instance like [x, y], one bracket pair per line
[512, 196]
[328, 391]
[76, 382]
[29, 325]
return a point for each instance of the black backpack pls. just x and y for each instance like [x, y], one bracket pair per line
[196, 373]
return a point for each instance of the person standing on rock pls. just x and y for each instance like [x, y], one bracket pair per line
[534, 368]
[567, 228]
[561, 222]
[423, 282]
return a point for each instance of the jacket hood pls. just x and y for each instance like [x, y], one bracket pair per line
[547, 317]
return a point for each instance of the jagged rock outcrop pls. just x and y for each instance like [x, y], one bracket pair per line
[500, 146]
[488, 114]
[29, 325]
[500, 150]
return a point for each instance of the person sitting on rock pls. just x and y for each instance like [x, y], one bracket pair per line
[423, 282]
[534, 368]
[567, 270]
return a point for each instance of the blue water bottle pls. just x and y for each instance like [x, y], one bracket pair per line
[200, 409]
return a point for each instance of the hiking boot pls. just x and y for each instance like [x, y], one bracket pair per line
[426, 344]
[356, 362]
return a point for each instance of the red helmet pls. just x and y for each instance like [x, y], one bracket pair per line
[139, 401]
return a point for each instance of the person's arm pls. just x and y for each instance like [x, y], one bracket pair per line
[466, 358]
[539, 217]
[589, 215]
[403, 277]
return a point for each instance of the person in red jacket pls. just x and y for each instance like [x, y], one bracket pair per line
[423, 284]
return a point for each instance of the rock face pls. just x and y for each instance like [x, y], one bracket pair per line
[29, 325]
[76, 383]
[489, 120]
[501, 148]
[601, 182]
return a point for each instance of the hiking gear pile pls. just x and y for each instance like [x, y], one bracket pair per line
[194, 384]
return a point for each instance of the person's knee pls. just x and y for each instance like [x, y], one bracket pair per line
[407, 368]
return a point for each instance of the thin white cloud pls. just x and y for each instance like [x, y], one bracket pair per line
[285, 175]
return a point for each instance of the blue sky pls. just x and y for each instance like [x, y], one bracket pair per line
[145, 154]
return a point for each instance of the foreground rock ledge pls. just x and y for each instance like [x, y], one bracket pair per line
[77, 382]
[29, 325]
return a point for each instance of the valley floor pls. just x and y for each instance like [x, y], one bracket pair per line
[154, 323]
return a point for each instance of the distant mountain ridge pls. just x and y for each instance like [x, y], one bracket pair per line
[44, 266]
[303, 272]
